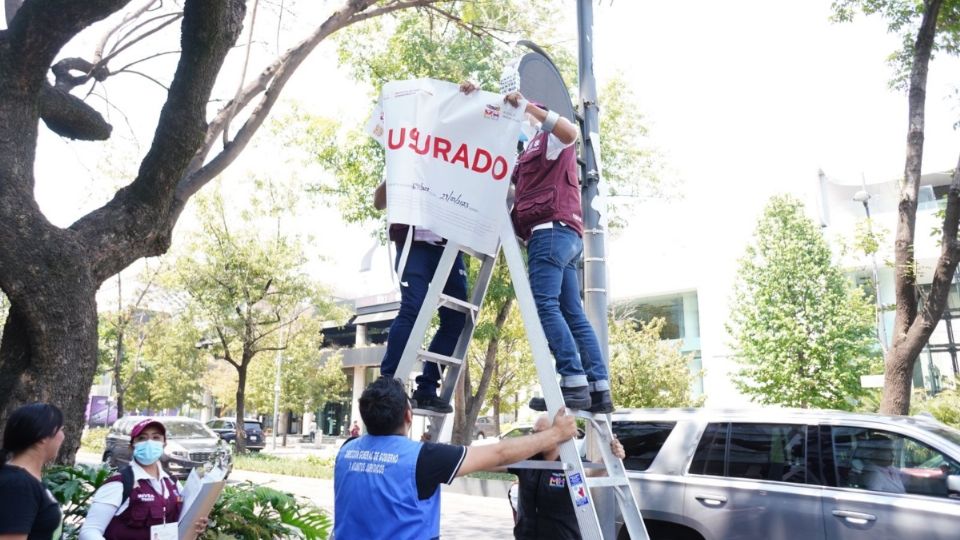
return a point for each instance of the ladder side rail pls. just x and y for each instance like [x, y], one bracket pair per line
[431, 299]
[629, 510]
[477, 296]
[576, 478]
[452, 374]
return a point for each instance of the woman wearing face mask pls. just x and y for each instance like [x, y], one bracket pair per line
[32, 437]
[152, 506]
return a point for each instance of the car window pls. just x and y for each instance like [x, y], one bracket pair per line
[183, 429]
[251, 425]
[642, 441]
[753, 451]
[888, 462]
[708, 459]
[517, 432]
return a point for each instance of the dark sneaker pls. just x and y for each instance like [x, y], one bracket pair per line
[577, 398]
[601, 402]
[432, 403]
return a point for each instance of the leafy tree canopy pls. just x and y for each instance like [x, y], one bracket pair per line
[803, 333]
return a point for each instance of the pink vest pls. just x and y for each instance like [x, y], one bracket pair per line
[547, 190]
[146, 509]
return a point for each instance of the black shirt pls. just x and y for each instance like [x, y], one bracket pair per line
[544, 507]
[26, 507]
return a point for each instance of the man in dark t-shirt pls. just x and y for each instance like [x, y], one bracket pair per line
[26, 507]
[544, 509]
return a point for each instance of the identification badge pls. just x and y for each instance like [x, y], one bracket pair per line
[164, 532]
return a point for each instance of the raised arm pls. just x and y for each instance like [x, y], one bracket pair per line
[483, 458]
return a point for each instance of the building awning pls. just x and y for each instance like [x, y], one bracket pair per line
[368, 318]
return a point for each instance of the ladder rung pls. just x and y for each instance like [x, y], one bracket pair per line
[428, 356]
[458, 305]
[607, 481]
[426, 412]
[473, 253]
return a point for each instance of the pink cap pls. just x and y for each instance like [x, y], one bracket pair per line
[144, 424]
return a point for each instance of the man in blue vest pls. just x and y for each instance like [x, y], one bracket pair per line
[387, 486]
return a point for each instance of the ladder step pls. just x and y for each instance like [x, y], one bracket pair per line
[425, 412]
[428, 356]
[458, 305]
[608, 481]
[473, 253]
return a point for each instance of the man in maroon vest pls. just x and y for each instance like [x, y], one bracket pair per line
[547, 215]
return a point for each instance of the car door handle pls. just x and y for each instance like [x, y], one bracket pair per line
[857, 518]
[711, 500]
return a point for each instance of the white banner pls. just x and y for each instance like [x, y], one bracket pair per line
[449, 158]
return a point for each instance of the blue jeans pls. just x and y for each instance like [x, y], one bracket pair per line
[552, 256]
[421, 266]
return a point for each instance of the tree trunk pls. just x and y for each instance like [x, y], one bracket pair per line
[907, 342]
[48, 353]
[241, 392]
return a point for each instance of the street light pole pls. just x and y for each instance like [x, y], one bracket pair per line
[276, 390]
[863, 197]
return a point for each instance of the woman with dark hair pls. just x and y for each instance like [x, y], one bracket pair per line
[31, 438]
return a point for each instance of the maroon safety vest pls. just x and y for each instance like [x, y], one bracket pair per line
[547, 190]
[146, 509]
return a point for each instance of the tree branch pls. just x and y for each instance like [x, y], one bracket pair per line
[270, 82]
[116, 232]
[40, 28]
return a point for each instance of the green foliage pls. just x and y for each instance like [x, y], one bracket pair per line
[309, 467]
[944, 406]
[93, 440]
[249, 288]
[903, 19]
[803, 333]
[168, 365]
[646, 371]
[250, 512]
[73, 486]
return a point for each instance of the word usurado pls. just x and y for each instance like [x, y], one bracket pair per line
[425, 144]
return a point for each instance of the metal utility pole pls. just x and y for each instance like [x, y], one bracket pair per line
[594, 233]
[276, 391]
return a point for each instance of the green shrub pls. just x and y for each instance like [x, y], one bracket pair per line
[944, 406]
[310, 467]
[250, 512]
[73, 486]
[93, 440]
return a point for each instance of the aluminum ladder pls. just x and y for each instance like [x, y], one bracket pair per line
[578, 483]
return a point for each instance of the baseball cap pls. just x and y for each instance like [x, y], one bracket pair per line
[144, 424]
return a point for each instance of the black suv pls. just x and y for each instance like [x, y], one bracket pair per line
[252, 431]
[189, 444]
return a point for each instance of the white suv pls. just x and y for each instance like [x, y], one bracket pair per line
[776, 473]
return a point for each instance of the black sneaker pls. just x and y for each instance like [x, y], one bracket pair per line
[576, 398]
[432, 403]
[601, 402]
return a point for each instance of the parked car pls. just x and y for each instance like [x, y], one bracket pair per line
[485, 427]
[774, 473]
[190, 444]
[252, 431]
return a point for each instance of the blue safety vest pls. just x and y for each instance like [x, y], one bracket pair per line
[375, 492]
